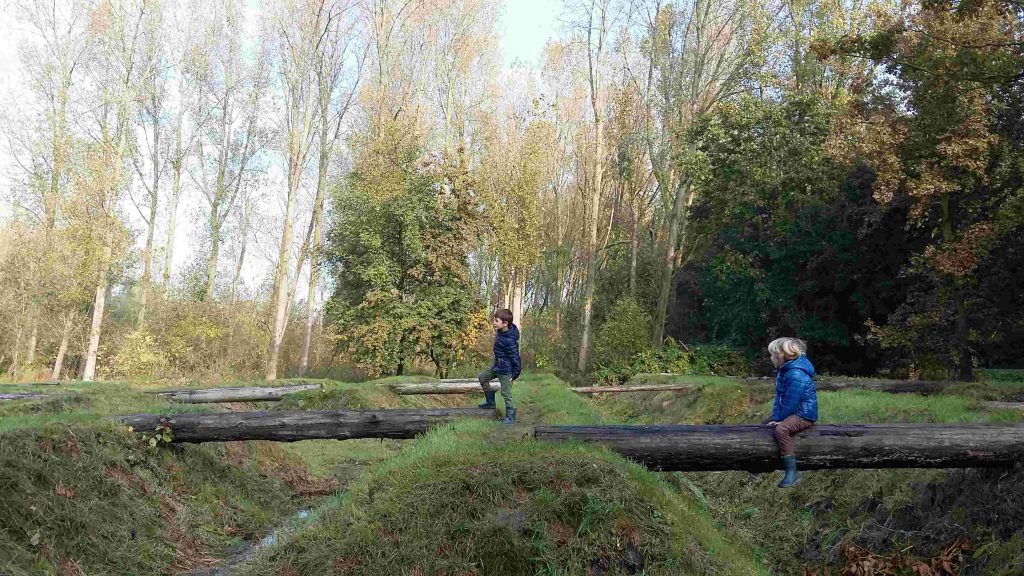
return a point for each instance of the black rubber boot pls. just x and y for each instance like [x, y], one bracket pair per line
[792, 475]
[510, 417]
[489, 403]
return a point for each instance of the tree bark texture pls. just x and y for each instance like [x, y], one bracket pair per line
[301, 425]
[235, 394]
[826, 446]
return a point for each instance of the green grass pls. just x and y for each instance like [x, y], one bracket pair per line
[93, 499]
[470, 498]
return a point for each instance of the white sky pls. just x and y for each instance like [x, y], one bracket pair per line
[525, 26]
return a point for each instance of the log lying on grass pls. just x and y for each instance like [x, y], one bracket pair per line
[638, 388]
[826, 446]
[234, 394]
[20, 395]
[891, 386]
[300, 425]
[1003, 405]
[442, 387]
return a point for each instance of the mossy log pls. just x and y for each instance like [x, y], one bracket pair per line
[234, 394]
[826, 446]
[442, 387]
[638, 388]
[300, 425]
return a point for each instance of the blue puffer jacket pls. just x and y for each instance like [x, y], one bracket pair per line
[506, 352]
[795, 392]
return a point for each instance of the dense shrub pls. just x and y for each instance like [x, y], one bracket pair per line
[625, 334]
[677, 358]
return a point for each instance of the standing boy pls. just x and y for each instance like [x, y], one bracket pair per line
[506, 367]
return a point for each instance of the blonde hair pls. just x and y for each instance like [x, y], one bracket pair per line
[787, 347]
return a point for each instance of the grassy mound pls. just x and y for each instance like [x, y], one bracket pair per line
[473, 498]
[93, 500]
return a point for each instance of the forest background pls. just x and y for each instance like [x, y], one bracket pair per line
[670, 187]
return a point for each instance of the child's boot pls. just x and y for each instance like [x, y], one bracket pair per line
[510, 416]
[792, 475]
[489, 400]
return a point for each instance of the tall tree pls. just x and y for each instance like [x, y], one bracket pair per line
[126, 36]
[299, 30]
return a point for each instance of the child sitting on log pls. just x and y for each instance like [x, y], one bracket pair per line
[506, 367]
[796, 400]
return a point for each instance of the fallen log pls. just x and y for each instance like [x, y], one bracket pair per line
[442, 387]
[891, 386]
[234, 394]
[1003, 405]
[300, 425]
[20, 395]
[637, 388]
[825, 446]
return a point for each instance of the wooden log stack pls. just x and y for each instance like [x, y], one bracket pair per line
[234, 394]
[300, 425]
[826, 446]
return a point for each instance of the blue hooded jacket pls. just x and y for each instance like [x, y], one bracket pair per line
[795, 392]
[506, 352]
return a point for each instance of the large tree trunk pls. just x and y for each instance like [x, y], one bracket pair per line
[281, 288]
[211, 263]
[33, 339]
[65, 336]
[99, 302]
[234, 394]
[665, 288]
[154, 202]
[301, 425]
[826, 446]
[173, 217]
[595, 213]
[244, 234]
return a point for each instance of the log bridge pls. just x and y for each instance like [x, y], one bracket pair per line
[300, 425]
[822, 447]
[234, 394]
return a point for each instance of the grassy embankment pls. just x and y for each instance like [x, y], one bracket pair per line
[478, 498]
[833, 518]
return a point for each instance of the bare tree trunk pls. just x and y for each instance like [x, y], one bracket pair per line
[670, 264]
[518, 290]
[211, 263]
[173, 219]
[97, 317]
[33, 338]
[282, 290]
[634, 248]
[314, 247]
[595, 208]
[241, 256]
[154, 201]
[58, 365]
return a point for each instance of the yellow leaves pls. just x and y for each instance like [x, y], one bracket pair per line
[959, 258]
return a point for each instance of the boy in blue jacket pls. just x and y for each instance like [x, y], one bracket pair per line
[506, 367]
[796, 400]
